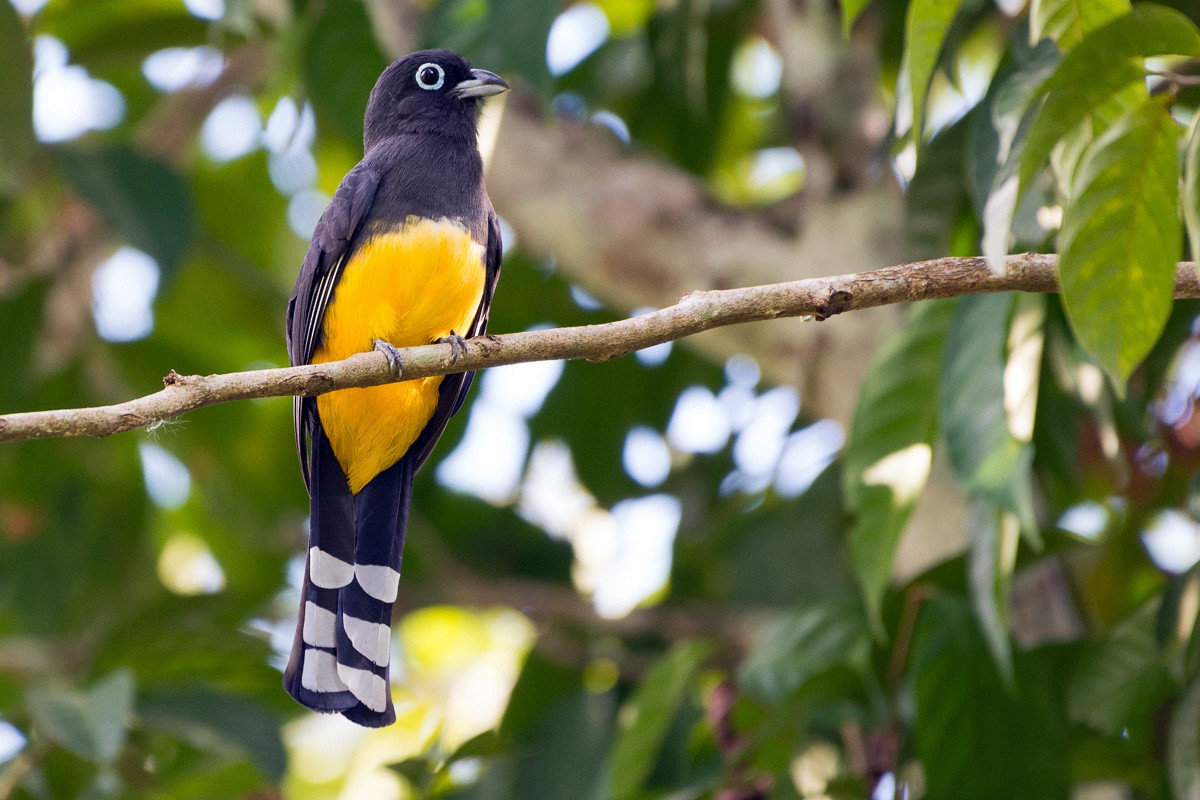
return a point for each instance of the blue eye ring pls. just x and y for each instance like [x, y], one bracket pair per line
[423, 80]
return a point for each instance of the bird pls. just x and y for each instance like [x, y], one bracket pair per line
[406, 253]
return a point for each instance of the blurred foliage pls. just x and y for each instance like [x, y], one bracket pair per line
[147, 582]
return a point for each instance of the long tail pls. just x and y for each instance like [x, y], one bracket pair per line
[342, 650]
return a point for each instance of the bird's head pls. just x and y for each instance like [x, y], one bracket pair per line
[428, 91]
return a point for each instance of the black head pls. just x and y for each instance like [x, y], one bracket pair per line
[433, 91]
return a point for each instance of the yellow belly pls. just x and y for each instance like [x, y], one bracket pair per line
[408, 286]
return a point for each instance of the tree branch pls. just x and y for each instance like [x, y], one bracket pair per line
[1177, 78]
[819, 298]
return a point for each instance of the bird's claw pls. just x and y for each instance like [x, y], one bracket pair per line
[392, 355]
[458, 346]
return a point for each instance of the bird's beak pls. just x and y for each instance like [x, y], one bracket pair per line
[481, 84]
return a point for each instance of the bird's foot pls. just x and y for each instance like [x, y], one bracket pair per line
[392, 355]
[458, 346]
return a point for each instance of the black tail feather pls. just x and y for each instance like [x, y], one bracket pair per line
[311, 674]
[365, 618]
[350, 587]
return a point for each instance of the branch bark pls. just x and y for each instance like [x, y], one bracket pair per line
[819, 298]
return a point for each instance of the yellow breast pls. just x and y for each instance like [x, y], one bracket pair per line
[408, 286]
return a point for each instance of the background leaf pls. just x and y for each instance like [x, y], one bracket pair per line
[646, 717]
[1190, 199]
[560, 732]
[937, 200]
[926, 27]
[1118, 675]
[91, 724]
[1183, 743]
[890, 450]
[975, 738]
[16, 97]
[794, 650]
[140, 199]
[1068, 21]
[341, 64]
[215, 721]
[984, 454]
[993, 551]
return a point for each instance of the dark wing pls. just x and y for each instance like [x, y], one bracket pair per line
[327, 253]
[454, 388]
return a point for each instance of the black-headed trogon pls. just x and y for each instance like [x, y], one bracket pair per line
[407, 253]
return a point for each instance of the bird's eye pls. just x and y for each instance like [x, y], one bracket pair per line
[430, 76]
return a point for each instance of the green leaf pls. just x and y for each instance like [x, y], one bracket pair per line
[419, 771]
[984, 454]
[342, 61]
[90, 724]
[1191, 652]
[110, 35]
[801, 646]
[1023, 366]
[851, 11]
[20, 323]
[769, 565]
[559, 730]
[1191, 190]
[109, 705]
[17, 142]
[1069, 152]
[482, 745]
[990, 559]
[975, 737]
[972, 389]
[626, 17]
[1121, 237]
[936, 198]
[495, 783]
[925, 31]
[59, 715]
[1183, 744]
[141, 200]
[219, 722]
[563, 755]
[540, 685]
[516, 39]
[891, 446]
[269, 241]
[997, 154]
[1117, 675]
[1068, 21]
[506, 36]
[646, 718]
[1106, 61]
